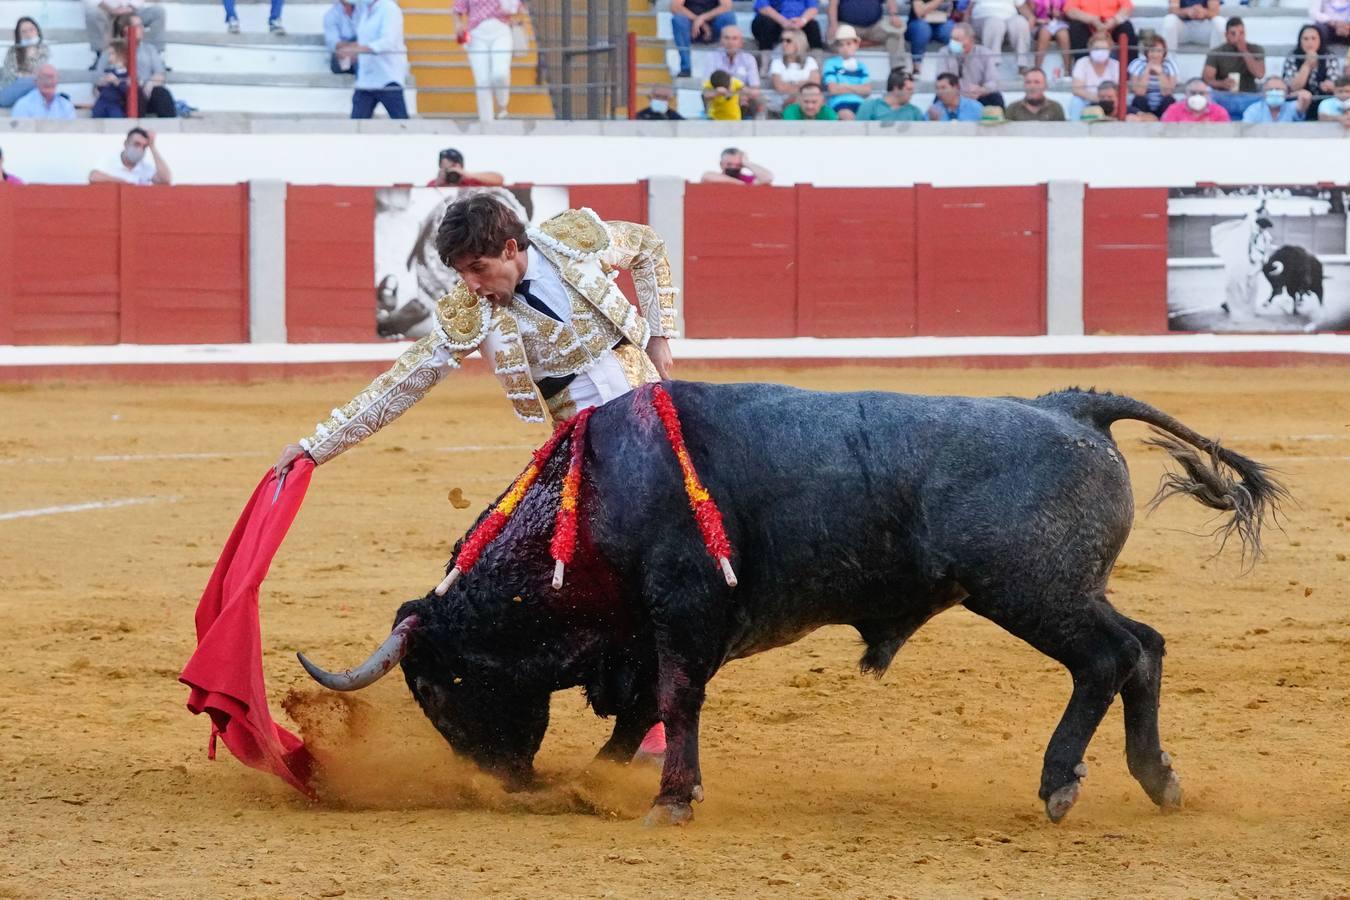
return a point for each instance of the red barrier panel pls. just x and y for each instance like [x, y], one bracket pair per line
[1125, 260]
[856, 266]
[623, 202]
[330, 264]
[981, 261]
[184, 264]
[740, 272]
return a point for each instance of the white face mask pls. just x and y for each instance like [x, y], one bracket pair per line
[850, 65]
[133, 155]
[30, 42]
[660, 107]
[1099, 55]
[1197, 102]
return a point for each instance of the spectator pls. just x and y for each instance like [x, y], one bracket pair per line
[1309, 68]
[1088, 18]
[1034, 105]
[156, 100]
[845, 77]
[1337, 108]
[698, 20]
[994, 20]
[1333, 20]
[1153, 78]
[1198, 106]
[950, 105]
[810, 105]
[975, 67]
[1233, 68]
[339, 27]
[1050, 26]
[736, 168]
[658, 106]
[112, 84]
[484, 28]
[131, 166]
[894, 105]
[1278, 106]
[1194, 21]
[19, 75]
[450, 172]
[929, 21]
[99, 16]
[795, 68]
[1090, 71]
[1108, 94]
[273, 18]
[44, 101]
[5, 177]
[722, 96]
[738, 62]
[773, 17]
[382, 69]
[873, 21]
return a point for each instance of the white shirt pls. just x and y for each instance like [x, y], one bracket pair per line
[379, 26]
[141, 173]
[604, 379]
[792, 73]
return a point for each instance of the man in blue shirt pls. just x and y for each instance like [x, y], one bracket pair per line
[1276, 105]
[43, 101]
[339, 27]
[950, 106]
[383, 69]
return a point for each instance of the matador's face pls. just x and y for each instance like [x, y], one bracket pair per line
[494, 278]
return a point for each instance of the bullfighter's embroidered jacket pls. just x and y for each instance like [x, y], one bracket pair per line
[589, 253]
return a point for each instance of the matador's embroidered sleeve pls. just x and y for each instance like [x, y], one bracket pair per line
[639, 249]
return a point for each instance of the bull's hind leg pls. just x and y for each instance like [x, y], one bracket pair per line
[1085, 635]
[1149, 763]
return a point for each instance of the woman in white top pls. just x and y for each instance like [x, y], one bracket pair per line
[996, 19]
[794, 68]
[1090, 71]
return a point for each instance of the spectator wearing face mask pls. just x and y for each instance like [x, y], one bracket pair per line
[1088, 18]
[1090, 71]
[1198, 107]
[1278, 105]
[1233, 69]
[1034, 105]
[844, 76]
[810, 106]
[1153, 79]
[44, 101]
[1104, 110]
[131, 165]
[975, 66]
[950, 105]
[894, 105]
[736, 168]
[450, 172]
[339, 27]
[19, 75]
[1336, 108]
[659, 106]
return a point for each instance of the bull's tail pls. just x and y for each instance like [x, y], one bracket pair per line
[1212, 474]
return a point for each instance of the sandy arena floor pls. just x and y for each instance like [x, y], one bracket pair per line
[820, 783]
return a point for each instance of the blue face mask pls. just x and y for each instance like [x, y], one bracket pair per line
[1275, 97]
[660, 107]
[956, 47]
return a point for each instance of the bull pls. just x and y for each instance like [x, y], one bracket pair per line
[1294, 271]
[874, 510]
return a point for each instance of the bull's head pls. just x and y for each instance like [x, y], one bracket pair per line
[482, 698]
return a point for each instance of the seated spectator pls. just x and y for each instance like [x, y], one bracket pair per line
[1193, 21]
[1337, 108]
[1198, 106]
[873, 21]
[795, 68]
[773, 17]
[950, 105]
[19, 75]
[1311, 68]
[929, 21]
[1034, 105]
[1049, 25]
[1090, 71]
[273, 18]
[1277, 104]
[1333, 21]
[450, 172]
[894, 105]
[810, 105]
[1153, 78]
[5, 177]
[1088, 18]
[995, 20]
[339, 27]
[659, 106]
[111, 74]
[1108, 94]
[975, 67]
[736, 61]
[99, 16]
[845, 77]
[736, 168]
[722, 96]
[46, 100]
[131, 165]
[697, 20]
[1233, 68]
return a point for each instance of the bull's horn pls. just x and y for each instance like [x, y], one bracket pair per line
[1276, 268]
[372, 670]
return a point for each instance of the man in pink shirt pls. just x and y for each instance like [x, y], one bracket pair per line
[1198, 107]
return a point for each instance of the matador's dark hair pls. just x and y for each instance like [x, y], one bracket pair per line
[477, 226]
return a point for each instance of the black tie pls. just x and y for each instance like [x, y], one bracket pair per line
[523, 289]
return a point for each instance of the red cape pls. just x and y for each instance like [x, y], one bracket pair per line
[225, 673]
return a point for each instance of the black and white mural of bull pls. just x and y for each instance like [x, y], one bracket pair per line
[873, 510]
[1294, 271]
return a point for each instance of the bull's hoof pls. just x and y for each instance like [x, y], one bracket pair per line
[1170, 801]
[669, 814]
[1058, 804]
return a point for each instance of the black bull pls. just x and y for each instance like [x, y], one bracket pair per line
[874, 510]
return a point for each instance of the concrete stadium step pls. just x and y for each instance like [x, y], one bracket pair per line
[441, 65]
[252, 99]
[195, 56]
[299, 16]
